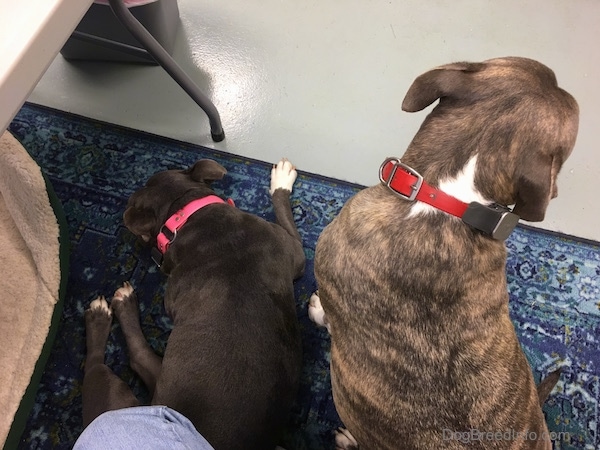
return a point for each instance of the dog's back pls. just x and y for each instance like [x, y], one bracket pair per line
[422, 345]
[233, 309]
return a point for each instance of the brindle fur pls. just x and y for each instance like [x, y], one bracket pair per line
[418, 306]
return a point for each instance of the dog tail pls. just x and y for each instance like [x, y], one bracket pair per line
[547, 384]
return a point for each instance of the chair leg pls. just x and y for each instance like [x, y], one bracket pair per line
[163, 58]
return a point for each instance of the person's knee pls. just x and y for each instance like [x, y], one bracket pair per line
[156, 427]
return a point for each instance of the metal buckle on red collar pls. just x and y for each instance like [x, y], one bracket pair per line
[400, 165]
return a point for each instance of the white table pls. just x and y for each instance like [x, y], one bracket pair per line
[32, 32]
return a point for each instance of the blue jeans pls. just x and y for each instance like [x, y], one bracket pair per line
[151, 427]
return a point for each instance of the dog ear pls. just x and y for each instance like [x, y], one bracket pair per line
[552, 136]
[206, 171]
[140, 222]
[450, 80]
[536, 186]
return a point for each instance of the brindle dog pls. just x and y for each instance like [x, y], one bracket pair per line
[424, 354]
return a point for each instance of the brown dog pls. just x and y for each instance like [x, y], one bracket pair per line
[424, 354]
[233, 359]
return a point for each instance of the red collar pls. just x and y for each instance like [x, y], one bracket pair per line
[409, 184]
[177, 220]
[495, 221]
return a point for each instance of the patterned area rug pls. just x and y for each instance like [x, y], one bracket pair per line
[554, 281]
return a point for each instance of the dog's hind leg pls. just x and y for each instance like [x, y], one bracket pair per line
[102, 390]
[142, 358]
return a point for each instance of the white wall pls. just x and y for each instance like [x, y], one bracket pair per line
[322, 81]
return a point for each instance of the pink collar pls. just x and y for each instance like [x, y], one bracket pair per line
[177, 220]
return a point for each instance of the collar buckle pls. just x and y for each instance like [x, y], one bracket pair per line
[168, 232]
[415, 188]
[165, 237]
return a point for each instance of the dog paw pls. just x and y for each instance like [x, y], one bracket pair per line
[99, 306]
[344, 440]
[124, 301]
[283, 175]
[98, 320]
[316, 313]
[124, 291]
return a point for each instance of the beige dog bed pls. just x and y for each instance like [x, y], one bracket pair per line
[31, 282]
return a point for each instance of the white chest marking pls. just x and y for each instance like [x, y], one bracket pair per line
[461, 187]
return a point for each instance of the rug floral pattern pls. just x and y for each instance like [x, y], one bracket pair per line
[554, 281]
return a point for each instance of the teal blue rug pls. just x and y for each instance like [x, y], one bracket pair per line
[554, 280]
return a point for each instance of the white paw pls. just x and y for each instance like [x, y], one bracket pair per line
[100, 304]
[316, 313]
[344, 440]
[283, 175]
[124, 291]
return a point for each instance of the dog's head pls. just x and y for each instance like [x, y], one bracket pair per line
[149, 207]
[509, 112]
